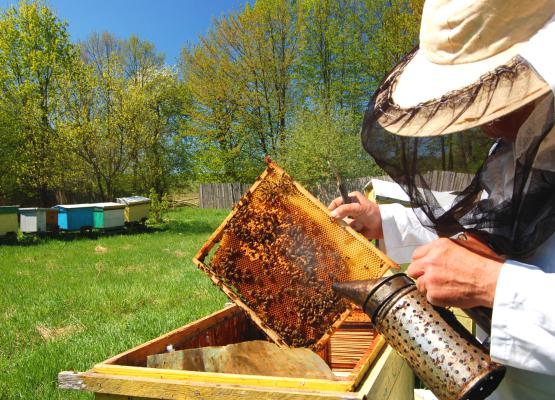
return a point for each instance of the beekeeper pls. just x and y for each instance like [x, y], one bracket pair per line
[483, 71]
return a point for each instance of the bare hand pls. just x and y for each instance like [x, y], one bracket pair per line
[361, 214]
[450, 275]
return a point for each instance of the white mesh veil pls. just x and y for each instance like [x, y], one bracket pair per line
[510, 202]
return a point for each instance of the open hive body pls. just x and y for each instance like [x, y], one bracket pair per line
[276, 256]
[353, 347]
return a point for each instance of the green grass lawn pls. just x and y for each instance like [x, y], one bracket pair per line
[69, 302]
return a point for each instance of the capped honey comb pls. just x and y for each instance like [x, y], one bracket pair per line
[277, 254]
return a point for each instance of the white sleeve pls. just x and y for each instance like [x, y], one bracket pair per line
[523, 321]
[402, 232]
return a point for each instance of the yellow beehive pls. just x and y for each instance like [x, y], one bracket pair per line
[8, 220]
[136, 208]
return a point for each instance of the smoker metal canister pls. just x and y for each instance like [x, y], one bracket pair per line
[444, 355]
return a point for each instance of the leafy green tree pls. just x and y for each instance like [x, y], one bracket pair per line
[394, 26]
[95, 124]
[259, 75]
[324, 142]
[155, 104]
[212, 99]
[285, 78]
[239, 79]
[347, 46]
[35, 53]
[139, 57]
[123, 110]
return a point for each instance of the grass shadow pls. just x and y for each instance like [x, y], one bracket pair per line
[35, 239]
[191, 224]
[195, 227]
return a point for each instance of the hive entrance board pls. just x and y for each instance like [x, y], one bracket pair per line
[276, 256]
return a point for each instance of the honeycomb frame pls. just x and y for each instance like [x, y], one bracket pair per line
[260, 272]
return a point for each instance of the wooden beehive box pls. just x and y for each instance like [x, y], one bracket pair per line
[52, 219]
[108, 215]
[72, 217]
[136, 208]
[364, 367]
[36, 219]
[8, 220]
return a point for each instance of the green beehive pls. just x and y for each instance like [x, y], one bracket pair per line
[108, 215]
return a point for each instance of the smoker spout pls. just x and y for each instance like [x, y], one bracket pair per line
[356, 291]
[371, 294]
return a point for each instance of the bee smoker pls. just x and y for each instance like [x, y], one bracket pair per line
[442, 353]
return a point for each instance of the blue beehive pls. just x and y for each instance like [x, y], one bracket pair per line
[72, 217]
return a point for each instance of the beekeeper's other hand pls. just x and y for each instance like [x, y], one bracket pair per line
[361, 214]
[451, 275]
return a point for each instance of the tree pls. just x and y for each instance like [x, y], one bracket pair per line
[323, 142]
[285, 78]
[264, 40]
[156, 103]
[96, 127]
[394, 27]
[122, 116]
[155, 100]
[347, 46]
[330, 63]
[35, 53]
[212, 111]
[239, 82]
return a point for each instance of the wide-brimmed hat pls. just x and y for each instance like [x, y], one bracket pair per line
[468, 69]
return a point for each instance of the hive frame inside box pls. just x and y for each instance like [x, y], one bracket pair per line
[226, 326]
[218, 234]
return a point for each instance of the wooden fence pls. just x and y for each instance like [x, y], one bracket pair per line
[327, 191]
[225, 195]
[221, 195]
[448, 181]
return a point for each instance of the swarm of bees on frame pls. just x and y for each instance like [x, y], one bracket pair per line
[270, 255]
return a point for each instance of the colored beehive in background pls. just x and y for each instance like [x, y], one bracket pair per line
[36, 219]
[8, 220]
[52, 219]
[136, 208]
[108, 215]
[72, 217]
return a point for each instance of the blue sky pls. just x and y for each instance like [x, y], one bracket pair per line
[169, 24]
